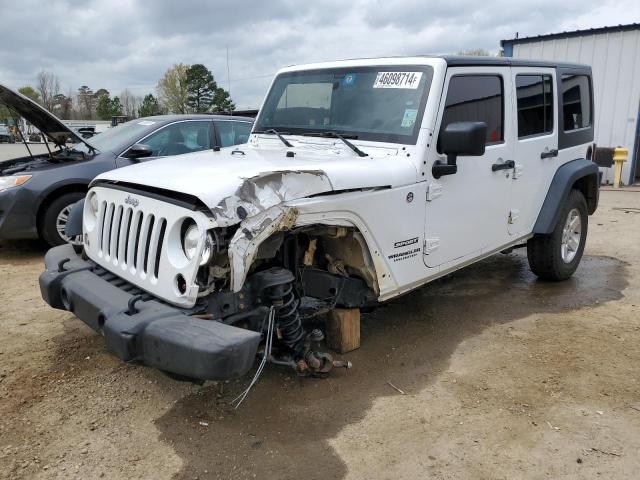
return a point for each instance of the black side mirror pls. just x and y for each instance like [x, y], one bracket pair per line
[460, 139]
[139, 150]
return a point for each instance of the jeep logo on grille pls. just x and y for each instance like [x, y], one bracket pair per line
[132, 201]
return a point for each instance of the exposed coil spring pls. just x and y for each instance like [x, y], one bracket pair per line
[286, 306]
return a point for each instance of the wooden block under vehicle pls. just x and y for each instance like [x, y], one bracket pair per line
[343, 329]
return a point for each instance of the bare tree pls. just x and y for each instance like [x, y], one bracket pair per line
[130, 103]
[48, 86]
[172, 89]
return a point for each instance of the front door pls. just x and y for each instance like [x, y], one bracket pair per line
[536, 144]
[185, 136]
[467, 212]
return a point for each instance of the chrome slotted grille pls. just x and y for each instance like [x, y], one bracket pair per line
[139, 239]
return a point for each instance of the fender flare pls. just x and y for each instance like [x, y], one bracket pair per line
[581, 171]
[74, 222]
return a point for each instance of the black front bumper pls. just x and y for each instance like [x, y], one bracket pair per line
[155, 334]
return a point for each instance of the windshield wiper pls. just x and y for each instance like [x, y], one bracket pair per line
[332, 134]
[273, 131]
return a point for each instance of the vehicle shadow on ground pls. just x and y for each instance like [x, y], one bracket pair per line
[22, 249]
[282, 429]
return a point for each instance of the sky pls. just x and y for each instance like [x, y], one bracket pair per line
[117, 44]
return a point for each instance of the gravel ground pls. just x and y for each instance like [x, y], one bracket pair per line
[504, 377]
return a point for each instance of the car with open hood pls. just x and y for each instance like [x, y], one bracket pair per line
[37, 191]
[362, 180]
[6, 136]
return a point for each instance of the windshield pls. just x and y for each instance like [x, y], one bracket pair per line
[383, 104]
[120, 137]
[4, 129]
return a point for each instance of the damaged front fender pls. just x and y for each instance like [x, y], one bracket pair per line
[244, 245]
[257, 194]
[259, 206]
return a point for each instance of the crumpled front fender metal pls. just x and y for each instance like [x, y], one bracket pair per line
[244, 245]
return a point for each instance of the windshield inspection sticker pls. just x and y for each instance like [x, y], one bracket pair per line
[409, 117]
[409, 80]
[349, 79]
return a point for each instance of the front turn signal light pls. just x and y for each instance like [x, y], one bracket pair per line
[22, 179]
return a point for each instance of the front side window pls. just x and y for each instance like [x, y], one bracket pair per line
[476, 98]
[179, 138]
[535, 104]
[383, 104]
[119, 137]
[233, 132]
[576, 102]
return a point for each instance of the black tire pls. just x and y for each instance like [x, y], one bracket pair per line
[545, 252]
[48, 229]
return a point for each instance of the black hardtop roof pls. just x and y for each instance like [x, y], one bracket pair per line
[463, 61]
[470, 61]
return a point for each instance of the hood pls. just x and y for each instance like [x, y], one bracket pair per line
[40, 118]
[258, 178]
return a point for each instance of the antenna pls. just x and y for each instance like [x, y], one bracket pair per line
[229, 80]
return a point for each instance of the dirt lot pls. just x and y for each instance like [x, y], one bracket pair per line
[505, 377]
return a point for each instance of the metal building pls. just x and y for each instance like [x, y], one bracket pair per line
[614, 55]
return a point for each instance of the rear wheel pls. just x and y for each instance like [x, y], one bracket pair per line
[555, 256]
[55, 217]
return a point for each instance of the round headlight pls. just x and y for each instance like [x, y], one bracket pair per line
[93, 204]
[207, 251]
[190, 241]
[190, 244]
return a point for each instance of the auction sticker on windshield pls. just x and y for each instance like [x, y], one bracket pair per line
[398, 80]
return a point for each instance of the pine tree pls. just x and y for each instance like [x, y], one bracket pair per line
[201, 88]
[149, 107]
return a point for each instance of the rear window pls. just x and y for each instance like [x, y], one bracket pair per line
[576, 102]
[535, 105]
[476, 98]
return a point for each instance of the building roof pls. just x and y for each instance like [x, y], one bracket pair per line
[574, 33]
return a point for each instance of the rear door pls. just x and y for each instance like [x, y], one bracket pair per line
[536, 144]
[466, 213]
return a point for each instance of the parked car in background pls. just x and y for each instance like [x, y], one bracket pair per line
[6, 136]
[37, 191]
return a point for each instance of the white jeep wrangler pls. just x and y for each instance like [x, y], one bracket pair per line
[362, 180]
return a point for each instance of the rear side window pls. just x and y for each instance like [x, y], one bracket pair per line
[233, 133]
[576, 102]
[535, 104]
[476, 98]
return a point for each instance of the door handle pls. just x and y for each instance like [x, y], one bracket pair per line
[549, 154]
[503, 166]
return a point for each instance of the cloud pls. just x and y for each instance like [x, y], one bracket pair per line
[119, 44]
